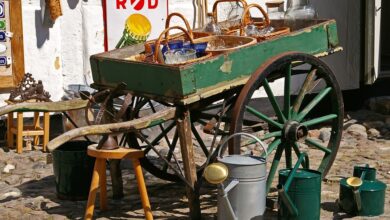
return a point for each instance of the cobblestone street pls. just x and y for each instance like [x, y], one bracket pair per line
[27, 183]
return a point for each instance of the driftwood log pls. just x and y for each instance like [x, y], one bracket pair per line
[74, 104]
[113, 128]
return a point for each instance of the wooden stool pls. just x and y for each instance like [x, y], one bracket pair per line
[21, 130]
[99, 177]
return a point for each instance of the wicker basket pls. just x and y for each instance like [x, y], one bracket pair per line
[231, 28]
[230, 43]
[245, 21]
[158, 59]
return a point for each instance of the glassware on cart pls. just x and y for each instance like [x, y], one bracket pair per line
[261, 30]
[212, 26]
[255, 29]
[186, 54]
[179, 56]
[298, 11]
[232, 10]
[275, 9]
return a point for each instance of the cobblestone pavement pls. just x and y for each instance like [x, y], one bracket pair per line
[27, 184]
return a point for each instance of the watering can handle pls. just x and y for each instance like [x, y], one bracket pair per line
[242, 134]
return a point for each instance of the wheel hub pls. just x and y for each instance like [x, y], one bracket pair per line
[294, 131]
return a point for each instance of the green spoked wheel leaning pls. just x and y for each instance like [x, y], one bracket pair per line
[294, 104]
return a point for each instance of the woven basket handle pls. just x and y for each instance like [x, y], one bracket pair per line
[166, 34]
[215, 7]
[167, 22]
[246, 19]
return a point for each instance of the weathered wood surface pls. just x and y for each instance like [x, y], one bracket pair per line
[122, 127]
[185, 84]
[44, 106]
[16, 27]
[187, 152]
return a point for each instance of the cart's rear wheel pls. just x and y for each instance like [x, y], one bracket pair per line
[164, 137]
[301, 96]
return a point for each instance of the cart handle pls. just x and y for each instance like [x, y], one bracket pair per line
[166, 33]
[215, 7]
[242, 134]
[246, 19]
[167, 22]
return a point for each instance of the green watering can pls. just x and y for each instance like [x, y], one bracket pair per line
[362, 194]
[299, 192]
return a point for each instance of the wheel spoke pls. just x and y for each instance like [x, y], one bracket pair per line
[287, 89]
[263, 117]
[274, 167]
[274, 102]
[271, 135]
[305, 88]
[287, 150]
[160, 125]
[272, 146]
[163, 133]
[313, 104]
[318, 145]
[319, 120]
[172, 148]
[200, 141]
[295, 147]
[265, 137]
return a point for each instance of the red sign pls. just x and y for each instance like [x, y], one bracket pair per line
[136, 4]
[116, 12]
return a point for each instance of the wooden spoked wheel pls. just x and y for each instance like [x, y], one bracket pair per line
[165, 139]
[286, 102]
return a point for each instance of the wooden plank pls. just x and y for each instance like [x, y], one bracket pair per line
[6, 82]
[10, 125]
[185, 134]
[17, 41]
[44, 106]
[141, 123]
[19, 133]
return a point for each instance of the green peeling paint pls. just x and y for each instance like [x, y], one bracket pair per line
[179, 82]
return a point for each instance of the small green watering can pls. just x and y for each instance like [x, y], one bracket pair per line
[299, 192]
[362, 194]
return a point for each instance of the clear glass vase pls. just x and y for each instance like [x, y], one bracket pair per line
[298, 12]
[275, 10]
[212, 27]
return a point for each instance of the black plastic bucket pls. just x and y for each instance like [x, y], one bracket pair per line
[73, 170]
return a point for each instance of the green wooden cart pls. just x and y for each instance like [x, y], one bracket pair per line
[278, 89]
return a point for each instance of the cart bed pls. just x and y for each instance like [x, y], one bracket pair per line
[189, 83]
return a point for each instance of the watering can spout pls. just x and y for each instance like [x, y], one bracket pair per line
[225, 199]
[216, 173]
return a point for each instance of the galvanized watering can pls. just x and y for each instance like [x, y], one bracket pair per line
[362, 194]
[242, 184]
[299, 192]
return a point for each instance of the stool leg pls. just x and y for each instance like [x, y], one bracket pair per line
[19, 135]
[142, 189]
[10, 125]
[103, 186]
[93, 189]
[36, 125]
[46, 121]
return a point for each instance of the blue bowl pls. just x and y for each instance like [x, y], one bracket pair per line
[200, 48]
[173, 45]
